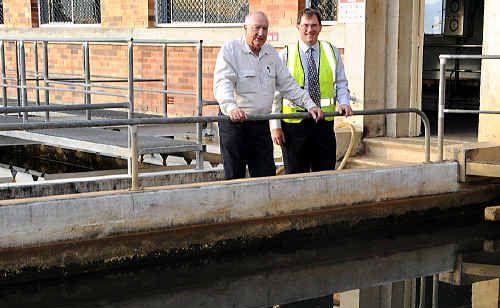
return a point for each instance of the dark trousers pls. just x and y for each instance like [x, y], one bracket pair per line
[309, 146]
[247, 143]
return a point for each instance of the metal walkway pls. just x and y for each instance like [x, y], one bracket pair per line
[104, 141]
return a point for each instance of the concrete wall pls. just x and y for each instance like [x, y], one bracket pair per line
[105, 183]
[486, 294]
[489, 130]
[28, 222]
[393, 53]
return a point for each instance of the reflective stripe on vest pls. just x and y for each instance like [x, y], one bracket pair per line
[327, 68]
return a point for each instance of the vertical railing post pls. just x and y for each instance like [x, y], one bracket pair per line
[4, 76]
[46, 76]
[441, 106]
[22, 71]
[130, 79]
[18, 82]
[134, 158]
[199, 102]
[165, 84]
[37, 77]
[86, 77]
[132, 139]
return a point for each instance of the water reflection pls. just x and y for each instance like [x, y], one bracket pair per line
[376, 270]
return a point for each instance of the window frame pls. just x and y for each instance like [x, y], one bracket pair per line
[66, 24]
[192, 24]
[326, 22]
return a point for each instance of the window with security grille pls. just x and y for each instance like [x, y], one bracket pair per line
[327, 9]
[201, 11]
[1, 12]
[70, 11]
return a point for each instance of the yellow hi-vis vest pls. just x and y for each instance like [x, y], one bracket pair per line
[327, 68]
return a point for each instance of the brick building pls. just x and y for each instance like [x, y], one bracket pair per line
[382, 48]
[212, 21]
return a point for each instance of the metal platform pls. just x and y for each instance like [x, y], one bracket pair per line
[104, 141]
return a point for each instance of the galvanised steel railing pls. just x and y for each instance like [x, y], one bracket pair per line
[442, 97]
[86, 85]
[133, 122]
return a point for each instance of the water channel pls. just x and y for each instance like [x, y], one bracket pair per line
[297, 270]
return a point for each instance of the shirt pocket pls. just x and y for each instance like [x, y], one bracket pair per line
[247, 82]
[269, 80]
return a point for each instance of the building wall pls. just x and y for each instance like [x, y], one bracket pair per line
[129, 18]
[20, 13]
[489, 130]
[127, 13]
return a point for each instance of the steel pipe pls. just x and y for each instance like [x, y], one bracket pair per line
[130, 115]
[199, 101]
[138, 89]
[46, 76]
[207, 119]
[441, 106]
[69, 90]
[123, 40]
[165, 79]
[134, 158]
[86, 76]
[62, 107]
[476, 57]
[37, 79]
[442, 96]
[4, 76]
[66, 40]
[22, 73]
[461, 111]
[18, 82]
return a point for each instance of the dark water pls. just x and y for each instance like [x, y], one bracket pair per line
[295, 271]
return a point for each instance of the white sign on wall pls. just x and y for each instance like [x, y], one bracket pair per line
[351, 11]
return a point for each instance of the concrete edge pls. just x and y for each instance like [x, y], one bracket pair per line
[95, 215]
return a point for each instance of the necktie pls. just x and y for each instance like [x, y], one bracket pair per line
[313, 80]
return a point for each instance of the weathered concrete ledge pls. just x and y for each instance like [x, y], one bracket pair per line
[41, 221]
[492, 213]
[104, 183]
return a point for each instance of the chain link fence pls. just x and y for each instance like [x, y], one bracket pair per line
[70, 11]
[201, 11]
[327, 9]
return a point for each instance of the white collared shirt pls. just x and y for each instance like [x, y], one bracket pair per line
[341, 85]
[247, 81]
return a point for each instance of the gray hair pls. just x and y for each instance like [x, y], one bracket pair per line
[250, 15]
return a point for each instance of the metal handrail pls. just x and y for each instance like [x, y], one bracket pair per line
[77, 107]
[442, 96]
[123, 40]
[133, 122]
[85, 86]
[138, 89]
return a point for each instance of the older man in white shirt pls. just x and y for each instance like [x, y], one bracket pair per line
[247, 74]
